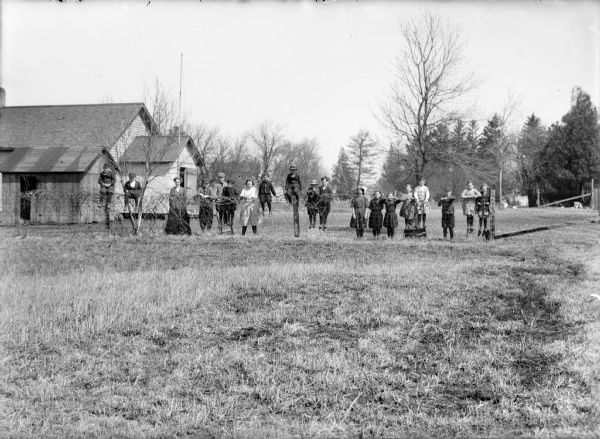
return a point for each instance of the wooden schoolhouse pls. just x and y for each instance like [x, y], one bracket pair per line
[51, 157]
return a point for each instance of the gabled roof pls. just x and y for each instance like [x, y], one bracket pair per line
[69, 126]
[158, 149]
[63, 138]
[54, 159]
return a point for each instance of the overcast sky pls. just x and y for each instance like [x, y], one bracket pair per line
[319, 69]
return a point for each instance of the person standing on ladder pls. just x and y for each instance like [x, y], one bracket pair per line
[106, 180]
[293, 186]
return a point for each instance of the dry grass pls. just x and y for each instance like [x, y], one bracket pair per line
[312, 337]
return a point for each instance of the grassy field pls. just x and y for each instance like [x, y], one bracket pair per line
[320, 336]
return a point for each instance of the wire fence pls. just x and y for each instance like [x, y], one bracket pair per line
[39, 212]
[87, 212]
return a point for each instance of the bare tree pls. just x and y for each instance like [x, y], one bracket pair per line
[305, 155]
[426, 88]
[144, 155]
[208, 142]
[269, 140]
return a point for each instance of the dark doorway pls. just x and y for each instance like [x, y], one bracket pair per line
[182, 176]
[28, 184]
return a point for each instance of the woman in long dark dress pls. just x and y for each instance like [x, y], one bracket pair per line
[178, 219]
[390, 220]
[359, 207]
[376, 217]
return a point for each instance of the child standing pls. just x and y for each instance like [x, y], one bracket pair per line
[447, 204]
[422, 203]
[324, 205]
[312, 200]
[408, 209]
[359, 207]
[482, 206]
[468, 204]
[390, 221]
[376, 218]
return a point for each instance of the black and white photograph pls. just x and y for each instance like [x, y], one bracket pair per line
[299, 219]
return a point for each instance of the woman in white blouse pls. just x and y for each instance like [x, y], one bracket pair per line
[249, 212]
[422, 203]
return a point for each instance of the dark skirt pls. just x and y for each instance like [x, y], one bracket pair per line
[390, 221]
[178, 222]
[376, 219]
[205, 216]
[360, 222]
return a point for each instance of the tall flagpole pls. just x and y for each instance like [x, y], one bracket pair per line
[179, 112]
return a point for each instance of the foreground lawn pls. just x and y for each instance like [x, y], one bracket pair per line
[310, 337]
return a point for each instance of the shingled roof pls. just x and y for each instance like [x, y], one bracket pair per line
[62, 138]
[161, 149]
[54, 159]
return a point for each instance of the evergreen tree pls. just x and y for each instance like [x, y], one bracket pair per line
[532, 140]
[343, 178]
[572, 153]
[361, 155]
[396, 171]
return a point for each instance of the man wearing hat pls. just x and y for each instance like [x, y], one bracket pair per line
[324, 205]
[133, 192]
[205, 208]
[265, 190]
[217, 193]
[106, 180]
[312, 200]
[293, 186]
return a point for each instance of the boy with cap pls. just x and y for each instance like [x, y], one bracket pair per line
[293, 187]
[312, 200]
[265, 190]
[447, 213]
[324, 205]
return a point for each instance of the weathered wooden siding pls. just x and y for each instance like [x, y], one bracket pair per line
[137, 128]
[63, 198]
[10, 199]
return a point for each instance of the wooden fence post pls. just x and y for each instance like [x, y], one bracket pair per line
[493, 214]
[296, 217]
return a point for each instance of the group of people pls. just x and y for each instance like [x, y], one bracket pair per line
[223, 198]
[414, 208]
[253, 202]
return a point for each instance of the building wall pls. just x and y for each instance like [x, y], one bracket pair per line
[10, 202]
[59, 198]
[137, 128]
[156, 197]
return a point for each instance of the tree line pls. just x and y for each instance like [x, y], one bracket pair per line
[430, 135]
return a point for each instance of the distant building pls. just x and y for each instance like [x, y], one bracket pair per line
[58, 151]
